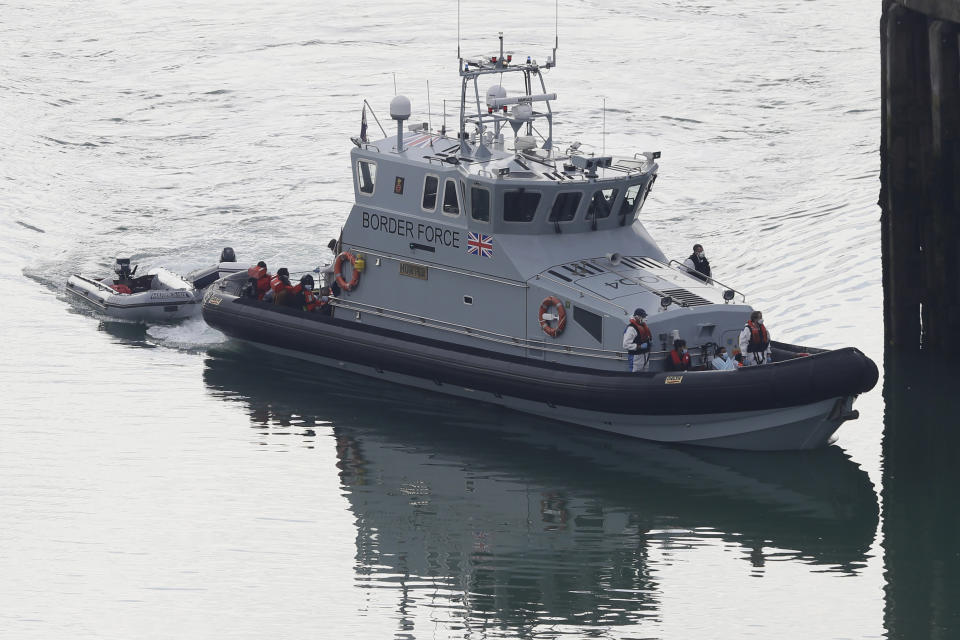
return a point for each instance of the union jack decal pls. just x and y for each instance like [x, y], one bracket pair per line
[479, 244]
[418, 141]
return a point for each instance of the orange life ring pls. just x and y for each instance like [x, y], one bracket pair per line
[346, 256]
[552, 301]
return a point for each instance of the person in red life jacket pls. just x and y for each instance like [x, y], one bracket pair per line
[304, 297]
[258, 281]
[280, 287]
[679, 358]
[755, 341]
[263, 279]
[637, 340]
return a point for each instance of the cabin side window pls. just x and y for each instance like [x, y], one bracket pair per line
[602, 203]
[451, 206]
[520, 205]
[366, 176]
[430, 186]
[480, 204]
[630, 200]
[565, 207]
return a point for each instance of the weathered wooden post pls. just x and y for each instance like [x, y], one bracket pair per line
[920, 174]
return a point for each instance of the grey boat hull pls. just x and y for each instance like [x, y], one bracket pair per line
[796, 404]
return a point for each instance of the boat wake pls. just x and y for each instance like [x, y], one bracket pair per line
[192, 334]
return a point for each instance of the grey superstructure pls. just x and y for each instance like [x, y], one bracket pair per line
[470, 236]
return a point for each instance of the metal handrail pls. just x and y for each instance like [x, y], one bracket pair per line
[501, 338]
[686, 271]
[431, 265]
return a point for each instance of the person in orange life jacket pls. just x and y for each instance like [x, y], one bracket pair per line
[303, 296]
[280, 287]
[755, 341]
[263, 279]
[636, 340]
[697, 264]
[258, 281]
[679, 358]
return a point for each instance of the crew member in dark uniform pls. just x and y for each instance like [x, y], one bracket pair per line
[697, 264]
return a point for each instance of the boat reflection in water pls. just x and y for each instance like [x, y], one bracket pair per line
[921, 522]
[516, 520]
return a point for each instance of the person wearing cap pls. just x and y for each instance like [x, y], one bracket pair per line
[755, 342]
[636, 340]
[697, 264]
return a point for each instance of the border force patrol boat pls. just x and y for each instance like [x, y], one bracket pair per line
[492, 265]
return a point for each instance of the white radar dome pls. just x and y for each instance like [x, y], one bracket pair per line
[400, 108]
[494, 93]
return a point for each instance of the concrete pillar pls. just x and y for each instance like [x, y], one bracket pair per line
[905, 135]
[941, 304]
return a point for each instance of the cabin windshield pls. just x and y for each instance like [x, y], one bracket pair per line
[565, 207]
[480, 204]
[520, 206]
[366, 175]
[630, 200]
[430, 186]
[450, 204]
[602, 203]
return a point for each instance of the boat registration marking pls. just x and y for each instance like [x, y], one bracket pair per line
[673, 380]
[413, 270]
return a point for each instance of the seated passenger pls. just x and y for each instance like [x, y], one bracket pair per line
[679, 358]
[723, 362]
[325, 307]
[302, 296]
[280, 286]
[261, 277]
[250, 289]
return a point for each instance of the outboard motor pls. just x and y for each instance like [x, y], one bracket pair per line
[122, 268]
[227, 255]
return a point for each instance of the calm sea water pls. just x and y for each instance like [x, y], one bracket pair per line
[162, 482]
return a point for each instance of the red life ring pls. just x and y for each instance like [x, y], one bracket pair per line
[548, 302]
[346, 256]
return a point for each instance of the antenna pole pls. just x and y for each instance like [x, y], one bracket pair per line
[556, 29]
[458, 30]
[604, 137]
[429, 111]
[394, 83]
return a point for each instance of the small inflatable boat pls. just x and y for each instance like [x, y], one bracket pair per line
[158, 295]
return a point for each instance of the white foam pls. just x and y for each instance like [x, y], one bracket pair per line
[190, 334]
